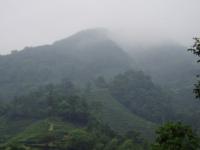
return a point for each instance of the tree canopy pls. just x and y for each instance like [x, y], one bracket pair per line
[196, 50]
[175, 136]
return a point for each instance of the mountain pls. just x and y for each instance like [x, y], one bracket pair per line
[50, 113]
[87, 85]
[173, 67]
[169, 64]
[106, 75]
[26, 125]
[118, 117]
[80, 57]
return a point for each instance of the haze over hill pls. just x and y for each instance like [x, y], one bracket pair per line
[90, 53]
[99, 75]
[30, 77]
[81, 57]
[71, 78]
[31, 23]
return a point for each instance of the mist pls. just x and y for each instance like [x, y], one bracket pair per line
[36, 22]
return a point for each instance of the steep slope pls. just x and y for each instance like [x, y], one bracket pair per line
[111, 113]
[81, 57]
[39, 130]
[173, 67]
[169, 64]
[118, 117]
[9, 128]
[140, 95]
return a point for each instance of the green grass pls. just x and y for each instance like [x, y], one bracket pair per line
[39, 130]
[118, 117]
[9, 128]
[111, 112]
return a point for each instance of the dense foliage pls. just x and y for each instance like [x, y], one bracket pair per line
[176, 136]
[172, 67]
[137, 92]
[196, 50]
[80, 58]
[61, 104]
[82, 139]
[50, 101]
[76, 95]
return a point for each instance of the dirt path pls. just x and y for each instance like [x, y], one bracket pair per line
[51, 127]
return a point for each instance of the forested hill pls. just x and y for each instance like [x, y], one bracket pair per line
[172, 66]
[169, 64]
[86, 87]
[80, 57]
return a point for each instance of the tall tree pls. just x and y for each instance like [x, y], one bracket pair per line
[196, 50]
[175, 136]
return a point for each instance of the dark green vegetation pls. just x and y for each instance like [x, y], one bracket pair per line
[196, 50]
[84, 93]
[150, 101]
[80, 58]
[63, 117]
[171, 66]
[176, 136]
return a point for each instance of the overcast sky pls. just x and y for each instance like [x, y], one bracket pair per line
[36, 22]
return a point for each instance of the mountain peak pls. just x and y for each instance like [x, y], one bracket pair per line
[86, 36]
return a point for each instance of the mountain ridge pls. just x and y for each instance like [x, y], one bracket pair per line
[77, 60]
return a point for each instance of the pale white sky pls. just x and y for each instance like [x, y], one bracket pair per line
[36, 22]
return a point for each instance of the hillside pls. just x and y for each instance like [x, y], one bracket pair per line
[80, 57]
[47, 118]
[118, 117]
[169, 64]
[86, 85]
[174, 68]
[39, 130]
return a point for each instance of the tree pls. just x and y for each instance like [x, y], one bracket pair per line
[50, 99]
[112, 145]
[175, 136]
[135, 137]
[129, 145]
[15, 146]
[80, 140]
[139, 94]
[68, 87]
[100, 82]
[196, 50]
